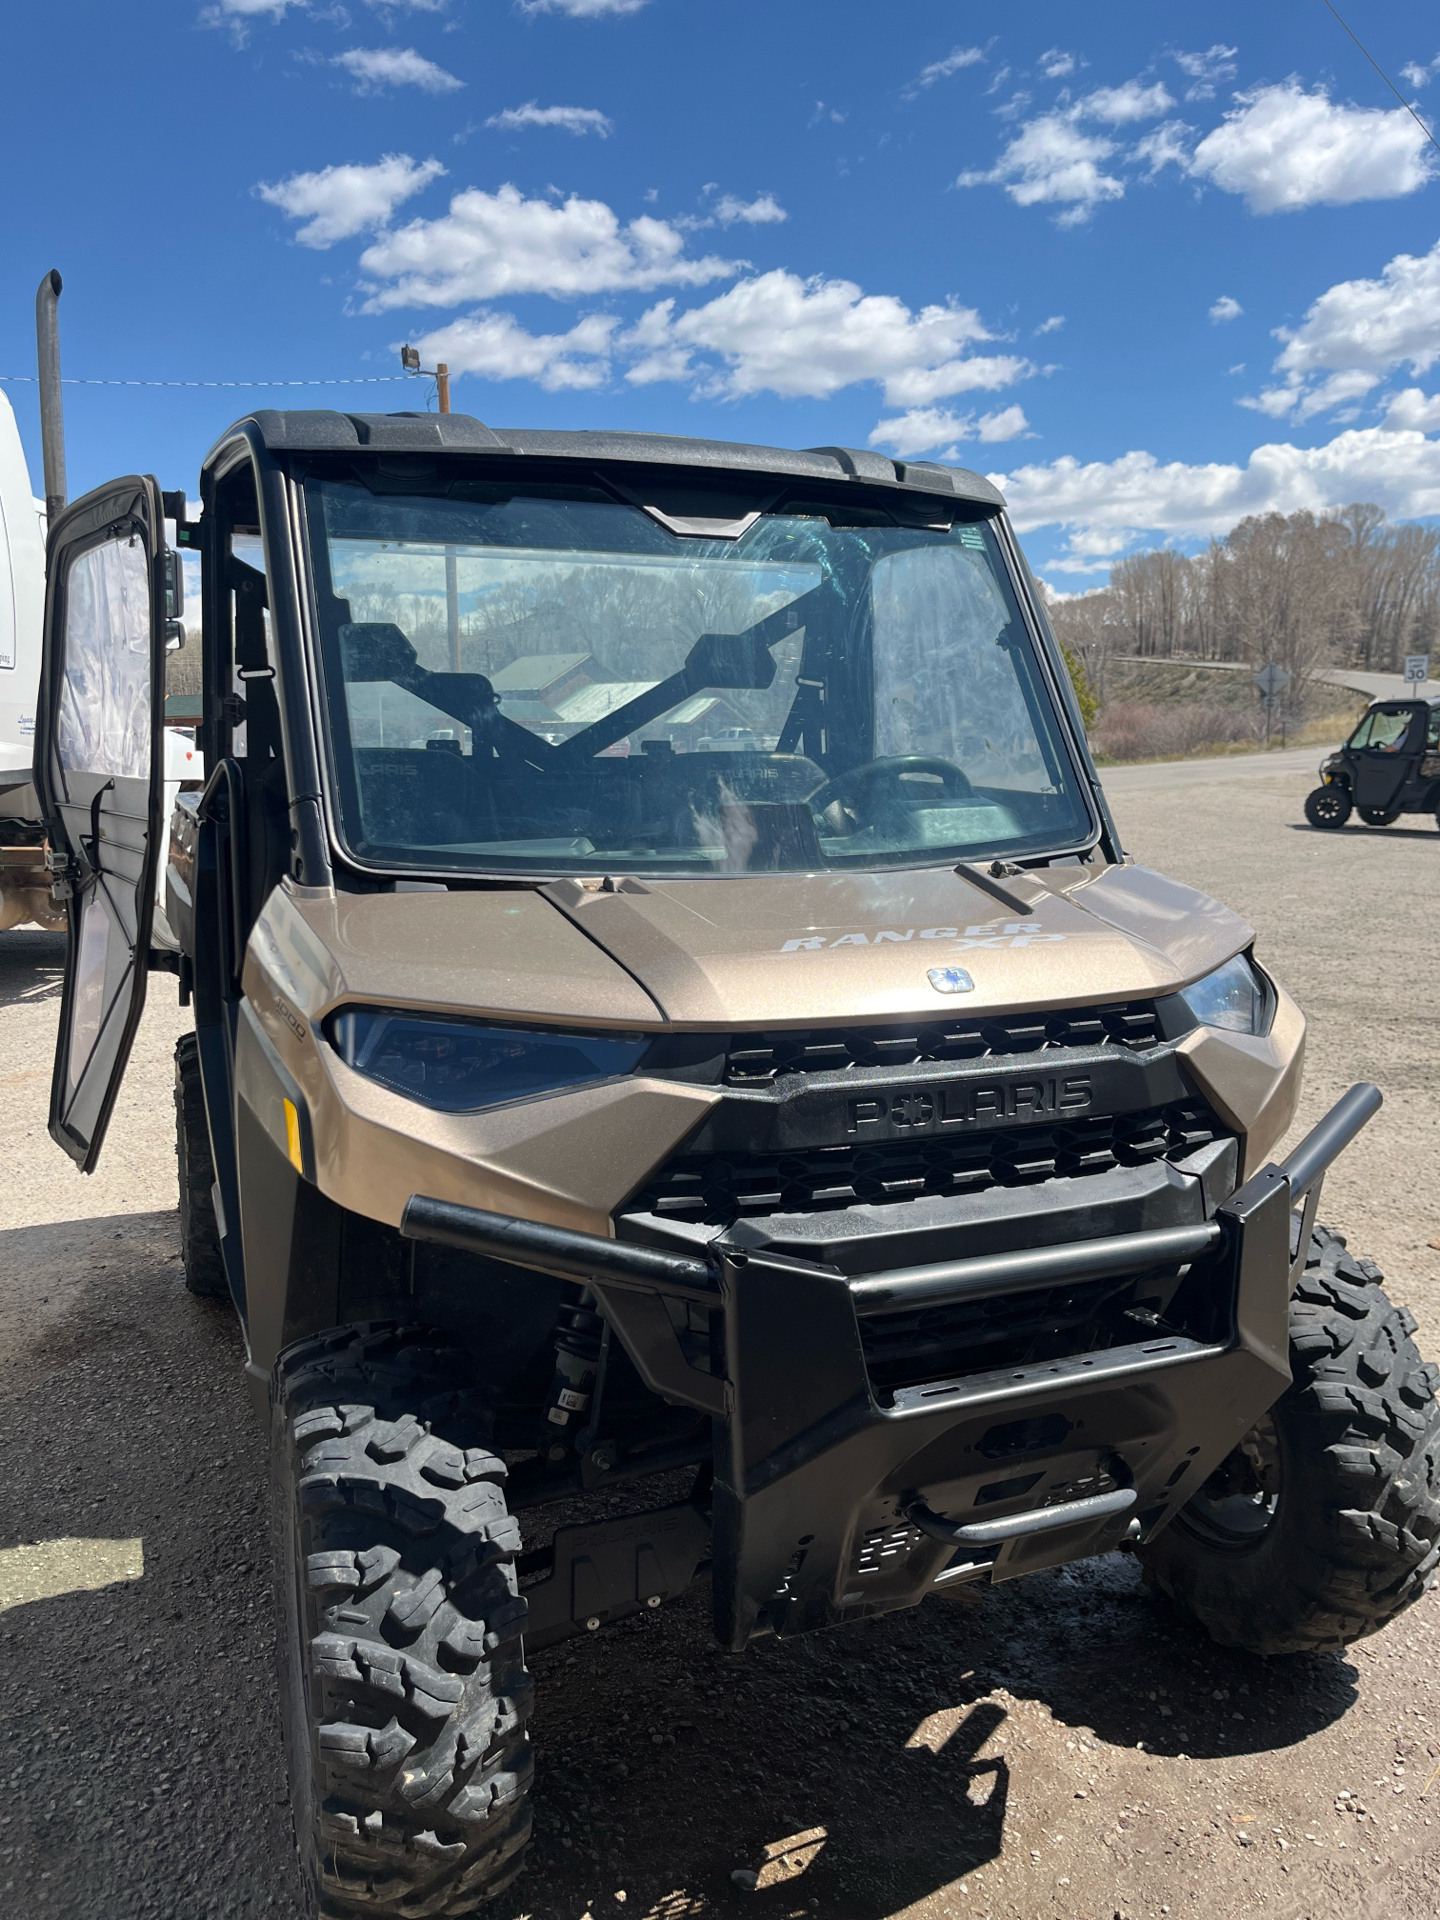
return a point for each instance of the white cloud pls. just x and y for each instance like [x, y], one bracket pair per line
[1050, 161]
[763, 211]
[339, 202]
[1357, 333]
[1054, 64]
[495, 346]
[1412, 408]
[372, 68]
[1285, 149]
[1007, 423]
[1206, 70]
[957, 58]
[773, 333]
[238, 14]
[1052, 325]
[926, 429]
[583, 9]
[780, 334]
[1226, 308]
[1104, 505]
[491, 244]
[1164, 146]
[1414, 75]
[569, 119]
[1118, 106]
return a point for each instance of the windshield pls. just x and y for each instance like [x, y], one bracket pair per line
[536, 679]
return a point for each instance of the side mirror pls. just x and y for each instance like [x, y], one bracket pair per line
[729, 660]
[174, 584]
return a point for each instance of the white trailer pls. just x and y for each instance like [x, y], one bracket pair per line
[24, 882]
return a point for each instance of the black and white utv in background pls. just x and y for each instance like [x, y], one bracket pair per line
[672, 1011]
[1390, 765]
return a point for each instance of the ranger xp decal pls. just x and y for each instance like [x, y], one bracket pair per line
[990, 933]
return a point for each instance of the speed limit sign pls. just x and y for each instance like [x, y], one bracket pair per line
[1417, 668]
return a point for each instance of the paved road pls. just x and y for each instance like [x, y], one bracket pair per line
[1381, 686]
[1218, 770]
[1377, 686]
[1056, 1747]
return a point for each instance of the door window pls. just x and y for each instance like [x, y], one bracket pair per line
[104, 718]
[91, 998]
[1382, 730]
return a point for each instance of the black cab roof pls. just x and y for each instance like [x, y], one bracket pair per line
[324, 431]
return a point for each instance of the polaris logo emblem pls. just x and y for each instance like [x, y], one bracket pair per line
[962, 1104]
[950, 980]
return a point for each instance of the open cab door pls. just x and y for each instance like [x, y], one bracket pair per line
[99, 773]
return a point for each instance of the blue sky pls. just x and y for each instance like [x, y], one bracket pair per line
[1156, 274]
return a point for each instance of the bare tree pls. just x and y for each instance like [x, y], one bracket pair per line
[1303, 590]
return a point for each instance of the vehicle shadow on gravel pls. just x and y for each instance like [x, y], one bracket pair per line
[664, 1766]
[32, 965]
[143, 1732]
[1361, 832]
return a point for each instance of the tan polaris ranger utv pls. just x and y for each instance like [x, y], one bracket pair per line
[671, 1008]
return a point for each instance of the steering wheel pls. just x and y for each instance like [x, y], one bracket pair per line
[878, 784]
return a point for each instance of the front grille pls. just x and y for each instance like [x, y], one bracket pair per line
[758, 1059]
[717, 1189]
[1003, 1330]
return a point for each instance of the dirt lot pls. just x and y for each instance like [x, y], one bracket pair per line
[1053, 1749]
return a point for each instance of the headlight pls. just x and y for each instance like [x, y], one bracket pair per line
[461, 1066]
[1233, 996]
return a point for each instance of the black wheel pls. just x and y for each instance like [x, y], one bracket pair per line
[1377, 817]
[199, 1230]
[1322, 1525]
[406, 1699]
[1328, 807]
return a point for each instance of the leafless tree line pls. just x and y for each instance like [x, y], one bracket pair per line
[1303, 590]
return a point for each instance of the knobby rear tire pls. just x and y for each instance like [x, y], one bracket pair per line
[405, 1695]
[199, 1230]
[1353, 1537]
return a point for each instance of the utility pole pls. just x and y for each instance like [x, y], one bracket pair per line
[439, 373]
[52, 417]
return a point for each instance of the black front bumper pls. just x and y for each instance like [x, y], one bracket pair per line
[829, 1495]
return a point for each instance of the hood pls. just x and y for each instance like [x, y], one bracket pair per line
[792, 950]
[760, 951]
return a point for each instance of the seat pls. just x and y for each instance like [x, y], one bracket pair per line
[410, 797]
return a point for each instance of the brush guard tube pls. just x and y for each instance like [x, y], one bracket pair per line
[993, 1533]
[820, 1489]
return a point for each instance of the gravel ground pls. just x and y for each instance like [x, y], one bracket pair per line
[1057, 1749]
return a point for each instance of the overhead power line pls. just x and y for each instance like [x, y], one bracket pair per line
[360, 380]
[1386, 78]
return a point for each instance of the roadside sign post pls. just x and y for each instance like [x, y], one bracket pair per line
[1417, 669]
[1272, 681]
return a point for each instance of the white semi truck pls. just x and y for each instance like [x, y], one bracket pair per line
[24, 878]
[24, 881]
